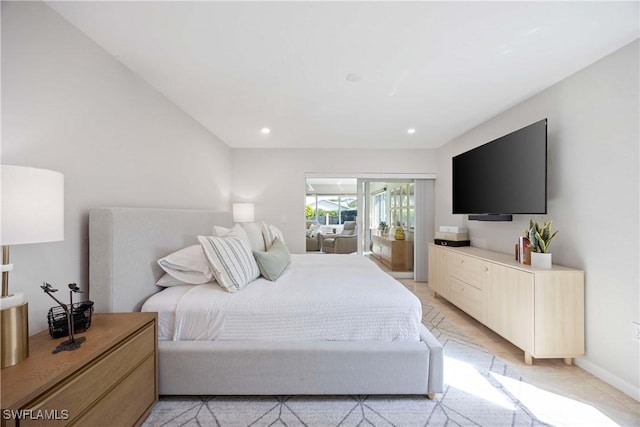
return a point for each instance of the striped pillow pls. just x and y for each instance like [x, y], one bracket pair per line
[231, 261]
[237, 230]
[270, 232]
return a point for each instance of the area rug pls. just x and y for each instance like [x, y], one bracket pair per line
[472, 397]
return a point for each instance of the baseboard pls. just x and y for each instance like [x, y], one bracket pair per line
[401, 274]
[606, 376]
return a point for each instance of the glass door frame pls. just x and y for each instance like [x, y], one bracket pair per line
[363, 204]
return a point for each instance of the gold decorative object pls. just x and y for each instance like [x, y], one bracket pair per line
[14, 334]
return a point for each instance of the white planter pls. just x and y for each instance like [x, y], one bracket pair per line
[540, 260]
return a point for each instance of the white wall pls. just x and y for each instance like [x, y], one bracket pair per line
[593, 189]
[274, 179]
[69, 106]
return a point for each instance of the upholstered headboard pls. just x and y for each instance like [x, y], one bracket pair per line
[125, 243]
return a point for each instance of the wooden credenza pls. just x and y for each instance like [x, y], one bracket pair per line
[110, 380]
[395, 254]
[540, 311]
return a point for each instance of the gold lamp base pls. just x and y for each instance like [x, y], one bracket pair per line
[14, 335]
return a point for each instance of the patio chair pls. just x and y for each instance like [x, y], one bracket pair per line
[344, 243]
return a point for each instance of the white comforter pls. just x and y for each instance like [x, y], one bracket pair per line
[319, 297]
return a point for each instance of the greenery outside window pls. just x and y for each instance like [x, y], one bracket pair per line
[331, 209]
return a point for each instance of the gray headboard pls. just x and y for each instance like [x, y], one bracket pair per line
[125, 243]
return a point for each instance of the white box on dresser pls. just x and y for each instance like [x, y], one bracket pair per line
[539, 311]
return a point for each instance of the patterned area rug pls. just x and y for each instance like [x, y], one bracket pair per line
[472, 397]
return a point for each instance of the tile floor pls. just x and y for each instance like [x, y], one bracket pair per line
[550, 375]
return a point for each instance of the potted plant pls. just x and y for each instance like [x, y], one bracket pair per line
[540, 237]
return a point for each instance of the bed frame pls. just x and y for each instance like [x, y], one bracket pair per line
[124, 246]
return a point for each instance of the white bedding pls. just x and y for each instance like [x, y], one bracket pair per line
[319, 297]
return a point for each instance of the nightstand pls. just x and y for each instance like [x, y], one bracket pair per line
[112, 379]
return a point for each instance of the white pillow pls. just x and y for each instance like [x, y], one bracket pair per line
[270, 232]
[254, 232]
[188, 265]
[166, 281]
[231, 260]
[313, 230]
[219, 230]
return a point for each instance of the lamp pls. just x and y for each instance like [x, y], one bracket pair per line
[32, 211]
[243, 212]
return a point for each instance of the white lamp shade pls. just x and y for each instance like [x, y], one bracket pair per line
[243, 212]
[32, 205]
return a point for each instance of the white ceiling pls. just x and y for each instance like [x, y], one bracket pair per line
[438, 67]
[332, 185]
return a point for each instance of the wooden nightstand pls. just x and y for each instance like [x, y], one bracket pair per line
[112, 379]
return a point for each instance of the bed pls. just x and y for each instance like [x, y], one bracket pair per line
[125, 244]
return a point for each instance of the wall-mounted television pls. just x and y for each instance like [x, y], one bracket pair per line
[503, 177]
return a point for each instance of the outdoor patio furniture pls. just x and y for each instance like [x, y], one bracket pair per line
[345, 242]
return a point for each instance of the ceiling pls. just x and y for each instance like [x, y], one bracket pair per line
[349, 186]
[332, 186]
[440, 68]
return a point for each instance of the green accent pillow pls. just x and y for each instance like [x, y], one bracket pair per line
[274, 261]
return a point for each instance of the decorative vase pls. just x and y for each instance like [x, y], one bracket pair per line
[399, 233]
[527, 255]
[541, 260]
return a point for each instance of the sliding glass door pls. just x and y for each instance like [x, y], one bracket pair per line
[404, 199]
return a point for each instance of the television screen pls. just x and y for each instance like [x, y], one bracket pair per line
[505, 176]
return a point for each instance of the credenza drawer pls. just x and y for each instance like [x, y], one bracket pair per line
[467, 269]
[466, 297]
[113, 410]
[385, 252]
[89, 385]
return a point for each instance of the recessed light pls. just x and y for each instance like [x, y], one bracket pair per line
[353, 77]
[265, 131]
[411, 131]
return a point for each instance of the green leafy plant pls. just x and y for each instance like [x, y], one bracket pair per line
[382, 225]
[310, 212]
[540, 236]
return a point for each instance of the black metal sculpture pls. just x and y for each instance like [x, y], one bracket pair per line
[72, 343]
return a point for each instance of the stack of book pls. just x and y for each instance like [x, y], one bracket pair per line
[449, 235]
[523, 250]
